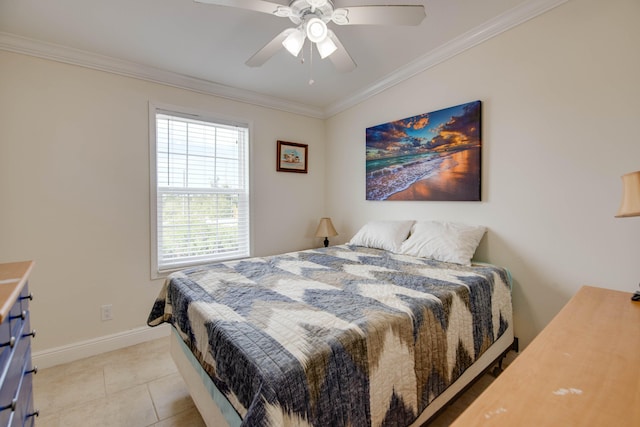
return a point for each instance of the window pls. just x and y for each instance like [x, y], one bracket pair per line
[200, 182]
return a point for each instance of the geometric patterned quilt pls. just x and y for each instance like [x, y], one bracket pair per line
[337, 336]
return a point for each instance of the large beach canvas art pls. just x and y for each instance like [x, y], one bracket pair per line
[432, 156]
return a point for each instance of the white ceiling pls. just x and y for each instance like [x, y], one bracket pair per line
[188, 43]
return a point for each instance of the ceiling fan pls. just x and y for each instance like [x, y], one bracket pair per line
[311, 17]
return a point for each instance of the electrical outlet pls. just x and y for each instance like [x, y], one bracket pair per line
[106, 312]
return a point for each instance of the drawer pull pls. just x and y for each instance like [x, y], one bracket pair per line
[11, 343]
[11, 406]
[33, 371]
[29, 297]
[35, 413]
[30, 334]
[22, 315]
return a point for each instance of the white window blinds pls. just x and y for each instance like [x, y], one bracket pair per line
[202, 193]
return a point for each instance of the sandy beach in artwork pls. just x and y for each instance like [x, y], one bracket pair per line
[457, 178]
[448, 176]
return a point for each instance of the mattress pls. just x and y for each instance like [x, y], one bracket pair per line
[343, 335]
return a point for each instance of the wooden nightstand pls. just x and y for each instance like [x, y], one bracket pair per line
[16, 387]
[583, 369]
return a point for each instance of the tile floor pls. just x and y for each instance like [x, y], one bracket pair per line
[122, 389]
[116, 389]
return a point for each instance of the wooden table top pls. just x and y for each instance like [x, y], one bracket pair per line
[13, 276]
[583, 369]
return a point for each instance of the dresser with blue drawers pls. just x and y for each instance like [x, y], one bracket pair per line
[16, 370]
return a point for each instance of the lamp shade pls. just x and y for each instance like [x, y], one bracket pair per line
[630, 205]
[325, 228]
[294, 42]
[326, 47]
[316, 30]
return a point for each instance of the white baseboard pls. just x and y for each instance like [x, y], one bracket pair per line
[80, 350]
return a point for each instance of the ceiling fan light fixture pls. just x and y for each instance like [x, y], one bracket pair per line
[316, 30]
[326, 47]
[310, 18]
[294, 41]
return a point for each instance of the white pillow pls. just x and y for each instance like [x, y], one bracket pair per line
[387, 235]
[443, 241]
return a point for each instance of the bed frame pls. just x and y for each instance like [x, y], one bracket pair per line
[216, 411]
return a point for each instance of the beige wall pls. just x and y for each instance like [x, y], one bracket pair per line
[74, 189]
[561, 107]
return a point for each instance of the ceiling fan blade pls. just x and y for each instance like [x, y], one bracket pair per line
[270, 49]
[340, 58]
[256, 5]
[381, 15]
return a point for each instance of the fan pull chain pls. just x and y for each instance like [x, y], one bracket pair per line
[311, 81]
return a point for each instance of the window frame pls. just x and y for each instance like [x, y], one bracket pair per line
[205, 116]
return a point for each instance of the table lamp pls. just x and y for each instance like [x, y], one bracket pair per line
[326, 230]
[630, 205]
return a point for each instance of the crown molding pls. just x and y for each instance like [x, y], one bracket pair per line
[54, 52]
[484, 32]
[514, 17]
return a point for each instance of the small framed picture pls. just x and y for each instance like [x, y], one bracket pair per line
[292, 157]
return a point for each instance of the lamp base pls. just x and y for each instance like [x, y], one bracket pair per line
[326, 242]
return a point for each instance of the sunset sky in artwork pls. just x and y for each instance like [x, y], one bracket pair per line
[454, 127]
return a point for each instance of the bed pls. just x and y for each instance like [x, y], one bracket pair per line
[347, 335]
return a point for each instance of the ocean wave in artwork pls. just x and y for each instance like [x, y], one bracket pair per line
[382, 183]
